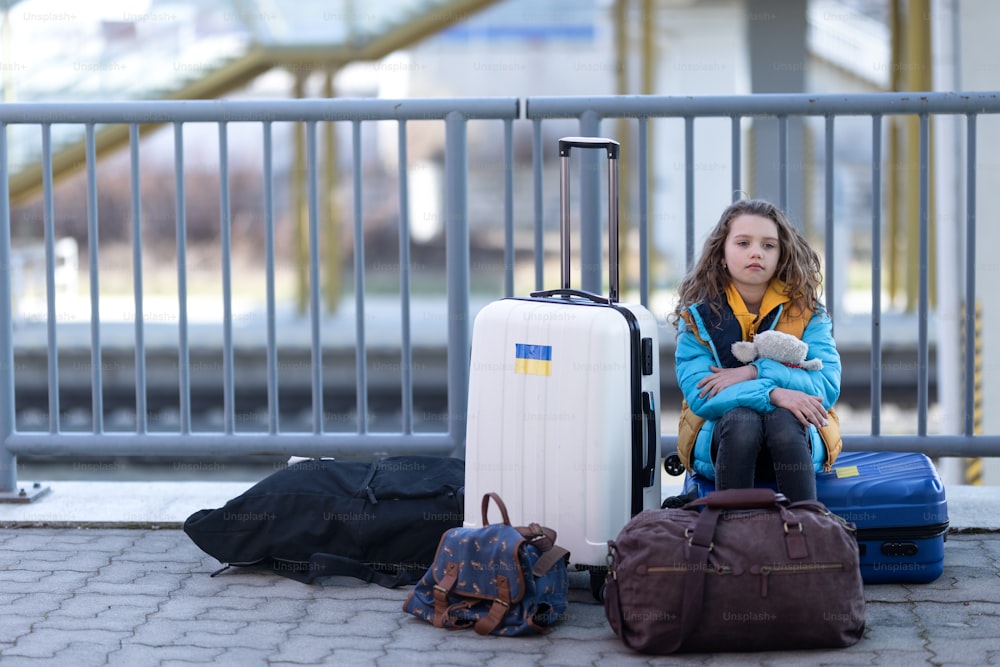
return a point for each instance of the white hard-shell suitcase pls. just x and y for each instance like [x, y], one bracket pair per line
[563, 415]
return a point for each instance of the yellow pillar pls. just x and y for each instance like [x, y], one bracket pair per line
[974, 466]
[917, 75]
[649, 60]
[893, 172]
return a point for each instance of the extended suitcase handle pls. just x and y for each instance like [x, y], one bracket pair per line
[612, 147]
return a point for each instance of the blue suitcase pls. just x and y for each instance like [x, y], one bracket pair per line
[896, 501]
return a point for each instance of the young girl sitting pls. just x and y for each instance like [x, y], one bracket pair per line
[762, 421]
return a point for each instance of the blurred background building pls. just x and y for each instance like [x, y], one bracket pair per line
[165, 49]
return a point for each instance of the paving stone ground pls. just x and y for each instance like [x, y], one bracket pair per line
[143, 597]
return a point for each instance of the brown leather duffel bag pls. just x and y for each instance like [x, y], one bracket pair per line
[737, 570]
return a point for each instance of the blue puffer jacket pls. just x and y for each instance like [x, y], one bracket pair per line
[702, 342]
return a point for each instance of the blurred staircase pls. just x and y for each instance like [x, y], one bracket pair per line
[189, 49]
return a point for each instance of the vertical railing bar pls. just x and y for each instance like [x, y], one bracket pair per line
[225, 214]
[829, 229]
[139, 328]
[8, 461]
[876, 240]
[315, 286]
[361, 359]
[96, 370]
[643, 176]
[737, 158]
[456, 167]
[406, 347]
[269, 280]
[970, 275]
[183, 354]
[537, 162]
[48, 208]
[689, 227]
[783, 162]
[923, 262]
[508, 207]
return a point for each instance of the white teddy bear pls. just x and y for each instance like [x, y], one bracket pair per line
[779, 346]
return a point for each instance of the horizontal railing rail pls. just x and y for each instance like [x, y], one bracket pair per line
[455, 116]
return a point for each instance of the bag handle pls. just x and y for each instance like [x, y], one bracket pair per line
[541, 537]
[486, 507]
[739, 499]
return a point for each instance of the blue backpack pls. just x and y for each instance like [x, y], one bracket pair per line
[498, 579]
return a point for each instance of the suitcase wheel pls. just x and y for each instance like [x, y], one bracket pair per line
[598, 582]
[672, 464]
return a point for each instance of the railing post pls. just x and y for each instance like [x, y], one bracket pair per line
[537, 162]
[9, 493]
[457, 272]
[8, 462]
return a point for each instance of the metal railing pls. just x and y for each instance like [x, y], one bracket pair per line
[455, 115]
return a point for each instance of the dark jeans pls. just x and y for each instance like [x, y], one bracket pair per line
[749, 445]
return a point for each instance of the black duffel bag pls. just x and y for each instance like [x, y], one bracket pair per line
[380, 522]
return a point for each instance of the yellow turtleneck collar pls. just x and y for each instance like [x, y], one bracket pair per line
[773, 297]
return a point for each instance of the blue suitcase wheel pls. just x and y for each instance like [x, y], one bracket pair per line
[672, 464]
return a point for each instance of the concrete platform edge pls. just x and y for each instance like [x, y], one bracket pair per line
[166, 504]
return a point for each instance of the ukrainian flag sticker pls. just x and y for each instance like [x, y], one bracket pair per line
[533, 359]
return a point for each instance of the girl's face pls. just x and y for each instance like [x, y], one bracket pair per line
[752, 251]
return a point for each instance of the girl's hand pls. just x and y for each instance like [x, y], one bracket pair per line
[724, 377]
[807, 409]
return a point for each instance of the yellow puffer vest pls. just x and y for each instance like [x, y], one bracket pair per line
[690, 423]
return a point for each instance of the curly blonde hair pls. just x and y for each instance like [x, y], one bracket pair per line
[798, 265]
